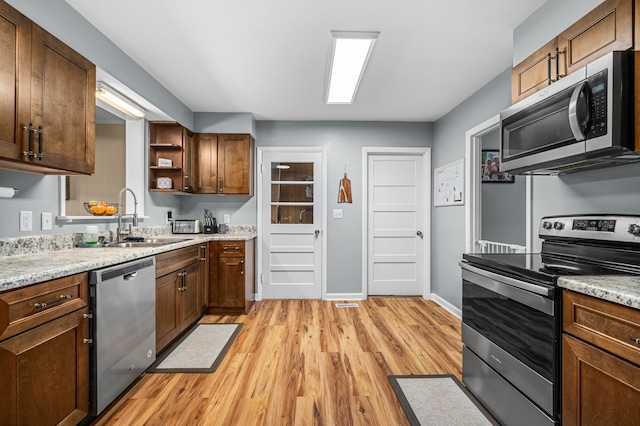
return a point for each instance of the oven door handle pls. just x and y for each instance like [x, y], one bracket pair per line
[533, 288]
[531, 295]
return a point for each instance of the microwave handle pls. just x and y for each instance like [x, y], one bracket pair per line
[579, 106]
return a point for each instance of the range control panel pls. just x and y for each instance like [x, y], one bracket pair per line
[623, 228]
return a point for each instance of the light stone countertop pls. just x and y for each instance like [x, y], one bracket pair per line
[620, 289]
[25, 269]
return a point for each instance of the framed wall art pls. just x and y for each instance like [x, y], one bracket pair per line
[491, 168]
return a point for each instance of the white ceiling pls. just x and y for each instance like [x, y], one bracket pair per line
[269, 57]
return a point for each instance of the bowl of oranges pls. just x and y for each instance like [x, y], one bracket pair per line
[101, 208]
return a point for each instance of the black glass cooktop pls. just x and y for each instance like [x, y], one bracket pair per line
[560, 259]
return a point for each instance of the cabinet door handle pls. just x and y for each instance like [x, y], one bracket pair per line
[88, 341]
[242, 267]
[29, 130]
[635, 340]
[231, 247]
[39, 142]
[182, 287]
[221, 186]
[58, 300]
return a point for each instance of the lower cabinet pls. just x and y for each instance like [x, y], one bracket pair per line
[600, 362]
[232, 276]
[178, 293]
[44, 353]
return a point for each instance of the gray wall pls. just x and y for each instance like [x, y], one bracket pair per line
[612, 190]
[448, 227]
[603, 191]
[503, 204]
[344, 142]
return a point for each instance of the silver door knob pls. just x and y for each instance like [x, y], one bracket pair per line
[317, 232]
[419, 234]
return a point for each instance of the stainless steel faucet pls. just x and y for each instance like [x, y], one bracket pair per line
[302, 212]
[120, 233]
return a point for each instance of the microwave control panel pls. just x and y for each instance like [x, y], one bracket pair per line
[598, 121]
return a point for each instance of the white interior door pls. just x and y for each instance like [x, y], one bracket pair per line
[291, 225]
[396, 231]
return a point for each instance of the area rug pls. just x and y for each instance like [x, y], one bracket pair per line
[201, 350]
[438, 400]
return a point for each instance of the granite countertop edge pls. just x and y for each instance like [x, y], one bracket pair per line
[620, 289]
[26, 269]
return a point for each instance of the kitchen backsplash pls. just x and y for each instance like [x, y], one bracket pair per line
[41, 243]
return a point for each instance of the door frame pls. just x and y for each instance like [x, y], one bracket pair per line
[426, 172]
[473, 206]
[260, 213]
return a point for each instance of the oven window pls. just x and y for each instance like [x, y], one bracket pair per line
[524, 332]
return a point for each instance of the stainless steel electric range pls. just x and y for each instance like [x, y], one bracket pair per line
[511, 312]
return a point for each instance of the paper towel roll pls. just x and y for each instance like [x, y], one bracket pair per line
[6, 192]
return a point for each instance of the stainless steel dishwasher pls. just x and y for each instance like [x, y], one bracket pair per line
[123, 328]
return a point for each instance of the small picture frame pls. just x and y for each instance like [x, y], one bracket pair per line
[490, 168]
[165, 162]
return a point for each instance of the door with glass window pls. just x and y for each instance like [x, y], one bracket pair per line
[291, 224]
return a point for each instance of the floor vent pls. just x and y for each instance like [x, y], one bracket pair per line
[346, 305]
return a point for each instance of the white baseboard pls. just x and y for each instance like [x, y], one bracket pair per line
[448, 306]
[345, 296]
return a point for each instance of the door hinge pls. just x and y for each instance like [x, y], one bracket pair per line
[261, 278]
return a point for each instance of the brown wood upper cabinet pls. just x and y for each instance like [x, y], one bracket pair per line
[47, 111]
[173, 142]
[608, 27]
[223, 164]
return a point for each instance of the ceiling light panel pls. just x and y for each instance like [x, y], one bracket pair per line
[350, 52]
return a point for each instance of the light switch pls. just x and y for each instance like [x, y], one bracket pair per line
[47, 221]
[337, 213]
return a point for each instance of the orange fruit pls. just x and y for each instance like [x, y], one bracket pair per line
[110, 210]
[99, 209]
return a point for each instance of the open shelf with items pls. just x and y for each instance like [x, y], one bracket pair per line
[168, 161]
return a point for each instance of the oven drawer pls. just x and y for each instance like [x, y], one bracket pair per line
[498, 396]
[608, 325]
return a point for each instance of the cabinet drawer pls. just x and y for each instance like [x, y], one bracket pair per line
[231, 248]
[607, 325]
[28, 307]
[176, 259]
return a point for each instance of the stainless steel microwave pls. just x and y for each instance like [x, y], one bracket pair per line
[583, 121]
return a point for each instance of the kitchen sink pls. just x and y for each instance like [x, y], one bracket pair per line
[149, 242]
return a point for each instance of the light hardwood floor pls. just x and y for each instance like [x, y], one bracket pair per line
[302, 362]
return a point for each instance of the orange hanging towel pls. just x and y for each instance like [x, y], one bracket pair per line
[344, 193]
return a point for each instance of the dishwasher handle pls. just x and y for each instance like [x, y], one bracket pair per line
[128, 271]
[130, 276]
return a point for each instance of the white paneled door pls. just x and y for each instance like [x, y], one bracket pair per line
[396, 231]
[291, 225]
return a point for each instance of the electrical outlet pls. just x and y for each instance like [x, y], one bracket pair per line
[47, 221]
[226, 218]
[26, 221]
[337, 213]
